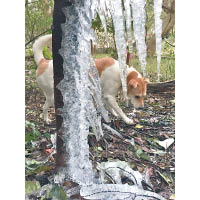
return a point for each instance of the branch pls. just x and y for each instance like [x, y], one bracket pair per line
[37, 36]
[169, 43]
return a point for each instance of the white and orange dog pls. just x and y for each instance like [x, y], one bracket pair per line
[109, 73]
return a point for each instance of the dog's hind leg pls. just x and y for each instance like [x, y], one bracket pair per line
[45, 112]
[49, 102]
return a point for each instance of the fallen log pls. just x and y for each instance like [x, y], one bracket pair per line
[162, 88]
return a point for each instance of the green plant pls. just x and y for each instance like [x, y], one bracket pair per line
[31, 133]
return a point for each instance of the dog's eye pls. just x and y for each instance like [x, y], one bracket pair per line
[137, 97]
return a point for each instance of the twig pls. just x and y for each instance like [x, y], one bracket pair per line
[169, 43]
[37, 36]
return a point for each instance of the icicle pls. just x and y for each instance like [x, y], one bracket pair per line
[128, 25]
[97, 104]
[107, 8]
[118, 21]
[139, 18]
[101, 12]
[103, 6]
[95, 89]
[158, 32]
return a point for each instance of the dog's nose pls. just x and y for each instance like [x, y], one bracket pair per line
[141, 106]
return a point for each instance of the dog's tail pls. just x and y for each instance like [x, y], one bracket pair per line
[39, 45]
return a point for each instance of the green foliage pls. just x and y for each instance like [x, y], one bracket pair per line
[36, 21]
[102, 55]
[31, 186]
[97, 26]
[31, 133]
[57, 193]
[35, 167]
[47, 53]
[167, 67]
[142, 155]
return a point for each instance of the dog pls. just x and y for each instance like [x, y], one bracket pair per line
[44, 72]
[109, 73]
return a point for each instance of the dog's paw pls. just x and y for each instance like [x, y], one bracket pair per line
[48, 121]
[129, 121]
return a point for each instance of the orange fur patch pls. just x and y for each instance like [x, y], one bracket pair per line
[140, 90]
[132, 75]
[42, 66]
[103, 63]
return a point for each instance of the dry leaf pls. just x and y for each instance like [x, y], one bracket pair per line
[166, 143]
[138, 126]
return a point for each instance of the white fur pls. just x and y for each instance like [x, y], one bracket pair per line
[39, 45]
[46, 83]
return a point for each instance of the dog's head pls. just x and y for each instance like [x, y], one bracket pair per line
[137, 89]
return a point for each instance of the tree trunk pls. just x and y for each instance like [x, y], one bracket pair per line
[168, 24]
[71, 61]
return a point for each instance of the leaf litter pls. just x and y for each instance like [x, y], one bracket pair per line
[147, 145]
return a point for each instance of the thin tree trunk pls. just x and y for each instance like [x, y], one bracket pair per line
[167, 26]
[47, 9]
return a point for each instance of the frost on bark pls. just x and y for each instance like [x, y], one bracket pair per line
[77, 92]
[71, 56]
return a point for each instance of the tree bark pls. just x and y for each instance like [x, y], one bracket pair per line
[168, 24]
[71, 61]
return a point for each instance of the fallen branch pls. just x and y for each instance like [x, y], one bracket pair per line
[162, 88]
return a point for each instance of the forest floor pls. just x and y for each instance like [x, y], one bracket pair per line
[153, 124]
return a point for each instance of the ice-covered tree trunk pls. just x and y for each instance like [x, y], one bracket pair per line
[71, 57]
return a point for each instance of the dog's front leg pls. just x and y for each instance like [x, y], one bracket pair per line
[113, 105]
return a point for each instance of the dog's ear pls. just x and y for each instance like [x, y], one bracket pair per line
[133, 83]
[146, 80]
